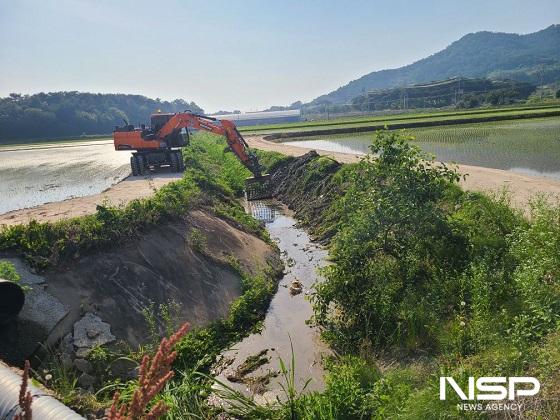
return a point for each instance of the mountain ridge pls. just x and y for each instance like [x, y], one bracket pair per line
[532, 57]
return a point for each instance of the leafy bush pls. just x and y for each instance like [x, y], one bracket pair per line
[537, 275]
[8, 272]
[421, 265]
[392, 250]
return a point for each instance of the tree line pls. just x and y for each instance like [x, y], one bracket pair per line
[58, 114]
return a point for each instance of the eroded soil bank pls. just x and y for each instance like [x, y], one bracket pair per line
[163, 266]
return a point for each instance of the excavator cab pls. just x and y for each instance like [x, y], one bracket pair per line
[159, 119]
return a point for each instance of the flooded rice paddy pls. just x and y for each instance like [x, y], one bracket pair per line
[530, 147]
[30, 176]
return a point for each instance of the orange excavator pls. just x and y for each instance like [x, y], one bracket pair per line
[160, 145]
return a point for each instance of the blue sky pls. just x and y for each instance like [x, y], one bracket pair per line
[244, 54]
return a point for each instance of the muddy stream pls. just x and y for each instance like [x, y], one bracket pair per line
[252, 365]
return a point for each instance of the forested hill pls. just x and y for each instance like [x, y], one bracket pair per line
[533, 58]
[74, 113]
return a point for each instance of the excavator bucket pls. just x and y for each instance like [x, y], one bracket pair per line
[258, 188]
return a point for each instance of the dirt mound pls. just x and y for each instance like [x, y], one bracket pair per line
[305, 184]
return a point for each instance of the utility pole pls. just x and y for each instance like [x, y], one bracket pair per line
[541, 80]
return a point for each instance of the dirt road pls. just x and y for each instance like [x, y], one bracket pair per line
[125, 191]
[522, 187]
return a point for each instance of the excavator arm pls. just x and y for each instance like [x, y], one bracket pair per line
[257, 187]
[225, 128]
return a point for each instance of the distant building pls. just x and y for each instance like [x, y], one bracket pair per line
[262, 118]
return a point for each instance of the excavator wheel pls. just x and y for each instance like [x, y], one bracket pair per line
[174, 158]
[258, 188]
[177, 163]
[134, 165]
[142, 165]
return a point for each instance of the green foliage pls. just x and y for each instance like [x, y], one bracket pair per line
[198, 240]
[537, 275]
[58, 114]
[208, 152]
[8, 272]
[423, 266]
[419, 265]
[392, 246]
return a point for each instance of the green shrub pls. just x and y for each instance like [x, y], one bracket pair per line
[537, 275]
[393, 247]
[198, 240]
[271, 161]
[8, 272]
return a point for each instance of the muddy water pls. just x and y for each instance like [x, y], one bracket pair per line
[34, 176]
[287, 314]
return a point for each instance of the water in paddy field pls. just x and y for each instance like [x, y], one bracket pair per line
[529, 147]
[30, 176]
[287, 315]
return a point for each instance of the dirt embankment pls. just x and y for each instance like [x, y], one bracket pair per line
[521, 187]
[185, 264]
[305, 186]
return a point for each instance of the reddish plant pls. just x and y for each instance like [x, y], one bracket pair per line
[25, 398]
[153, 375]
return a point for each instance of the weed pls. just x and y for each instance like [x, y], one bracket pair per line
[198, 240]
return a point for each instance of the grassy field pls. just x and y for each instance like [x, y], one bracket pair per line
[405, 119]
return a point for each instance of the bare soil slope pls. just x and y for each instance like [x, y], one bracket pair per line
[162, 266]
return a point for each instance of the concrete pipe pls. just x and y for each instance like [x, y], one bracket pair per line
[11, 300]
[43, 406]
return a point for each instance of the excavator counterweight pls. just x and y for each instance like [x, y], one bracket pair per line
[160, 145]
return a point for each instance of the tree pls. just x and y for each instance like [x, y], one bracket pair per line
[393, 242]
[73, 113]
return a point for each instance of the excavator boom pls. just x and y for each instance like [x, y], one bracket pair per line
[158, 145]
